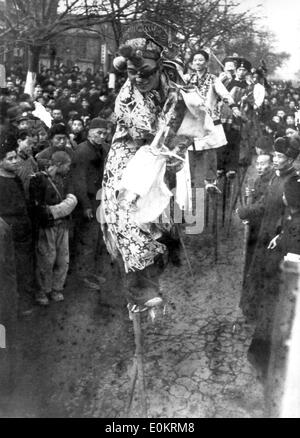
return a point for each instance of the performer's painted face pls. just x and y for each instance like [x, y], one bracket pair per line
[199, 62]
[146, 76]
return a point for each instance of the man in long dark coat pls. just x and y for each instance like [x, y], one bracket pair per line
[261, 277]
[255, 199]
[87, 174]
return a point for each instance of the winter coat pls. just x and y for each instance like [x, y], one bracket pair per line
[290, 236]
[271, 211]
[88, 172]
[13, 208]
[259, 190]
[45, 192]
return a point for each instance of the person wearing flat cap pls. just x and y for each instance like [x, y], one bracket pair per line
[265, 262]
[204, 160]
[89, 158]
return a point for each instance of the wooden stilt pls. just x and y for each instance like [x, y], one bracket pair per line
[224, 200]
[231, 197]
[132, 385]
[185, 252]
[215, 225]
[138, 365]
[241, 178]
[206, 209]
[236, 192]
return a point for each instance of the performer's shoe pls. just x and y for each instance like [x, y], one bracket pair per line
[154, 302]
[220, 173]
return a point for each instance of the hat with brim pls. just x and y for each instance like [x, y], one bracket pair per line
[232, 59]
[242, 62]
[289, 146]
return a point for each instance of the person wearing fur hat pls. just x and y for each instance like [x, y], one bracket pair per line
[58, 136]
[270, 211]
[87, 172]
[261, 276]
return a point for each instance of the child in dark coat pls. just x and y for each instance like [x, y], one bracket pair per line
[52, 201]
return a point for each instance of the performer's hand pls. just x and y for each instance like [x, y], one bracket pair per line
[88, 213]
[273, 243]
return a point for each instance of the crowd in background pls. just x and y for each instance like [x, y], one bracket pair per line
[74, 98]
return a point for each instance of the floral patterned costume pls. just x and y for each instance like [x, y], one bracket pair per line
[138, 120]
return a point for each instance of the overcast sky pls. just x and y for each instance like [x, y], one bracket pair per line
[283, 18]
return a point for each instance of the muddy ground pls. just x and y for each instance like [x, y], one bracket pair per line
[75, 358]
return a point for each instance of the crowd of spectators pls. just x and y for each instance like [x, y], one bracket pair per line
[52, 153]
[53, 146]
[280, 113]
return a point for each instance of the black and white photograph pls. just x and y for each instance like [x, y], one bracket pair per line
[150, 211]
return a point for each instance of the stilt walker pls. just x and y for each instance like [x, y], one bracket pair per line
[228, 156]
[157, 119]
